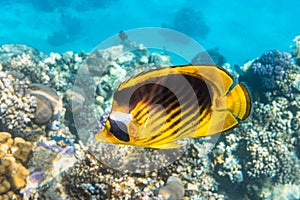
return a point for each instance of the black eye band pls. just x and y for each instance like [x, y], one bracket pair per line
[119, 130]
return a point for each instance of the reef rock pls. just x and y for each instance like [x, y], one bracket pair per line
[174, 189]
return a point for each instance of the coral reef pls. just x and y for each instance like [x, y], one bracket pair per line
[13, 156]
[275, 71]
[190, 22]
[50, 158]
[211, 56]
[24, 61]
[17, 107]
[102, 71]
[31, 85]
[257, 160]
[28, 64]
[296, 49]
[91, 179]
[280, 192]
[264, 150]
[31, 107]
[24, 104]
[68, 30]
[271, 68]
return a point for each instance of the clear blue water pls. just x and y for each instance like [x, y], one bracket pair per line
[242, 30]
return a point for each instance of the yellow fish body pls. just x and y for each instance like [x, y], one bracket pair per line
[157, 108]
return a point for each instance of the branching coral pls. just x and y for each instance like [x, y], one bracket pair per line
[29, 64]
[24, 61]
[17, 107]
[227, 164]
[264, 148]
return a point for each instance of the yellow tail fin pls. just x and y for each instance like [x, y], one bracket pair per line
[238, 101]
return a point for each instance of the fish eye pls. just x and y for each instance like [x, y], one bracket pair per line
[119, 130]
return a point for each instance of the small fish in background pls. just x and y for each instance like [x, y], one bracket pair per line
[173, 190]
[49, 105]
[126, 42]
[123, 36]
[158, 108]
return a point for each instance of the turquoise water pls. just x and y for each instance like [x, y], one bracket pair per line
[242, 30]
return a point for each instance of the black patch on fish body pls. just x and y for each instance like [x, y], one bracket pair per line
[119, 130]
[152, 93]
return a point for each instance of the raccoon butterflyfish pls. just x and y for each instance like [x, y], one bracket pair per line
[157, 108]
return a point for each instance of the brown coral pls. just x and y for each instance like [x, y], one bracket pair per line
[13, 174]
